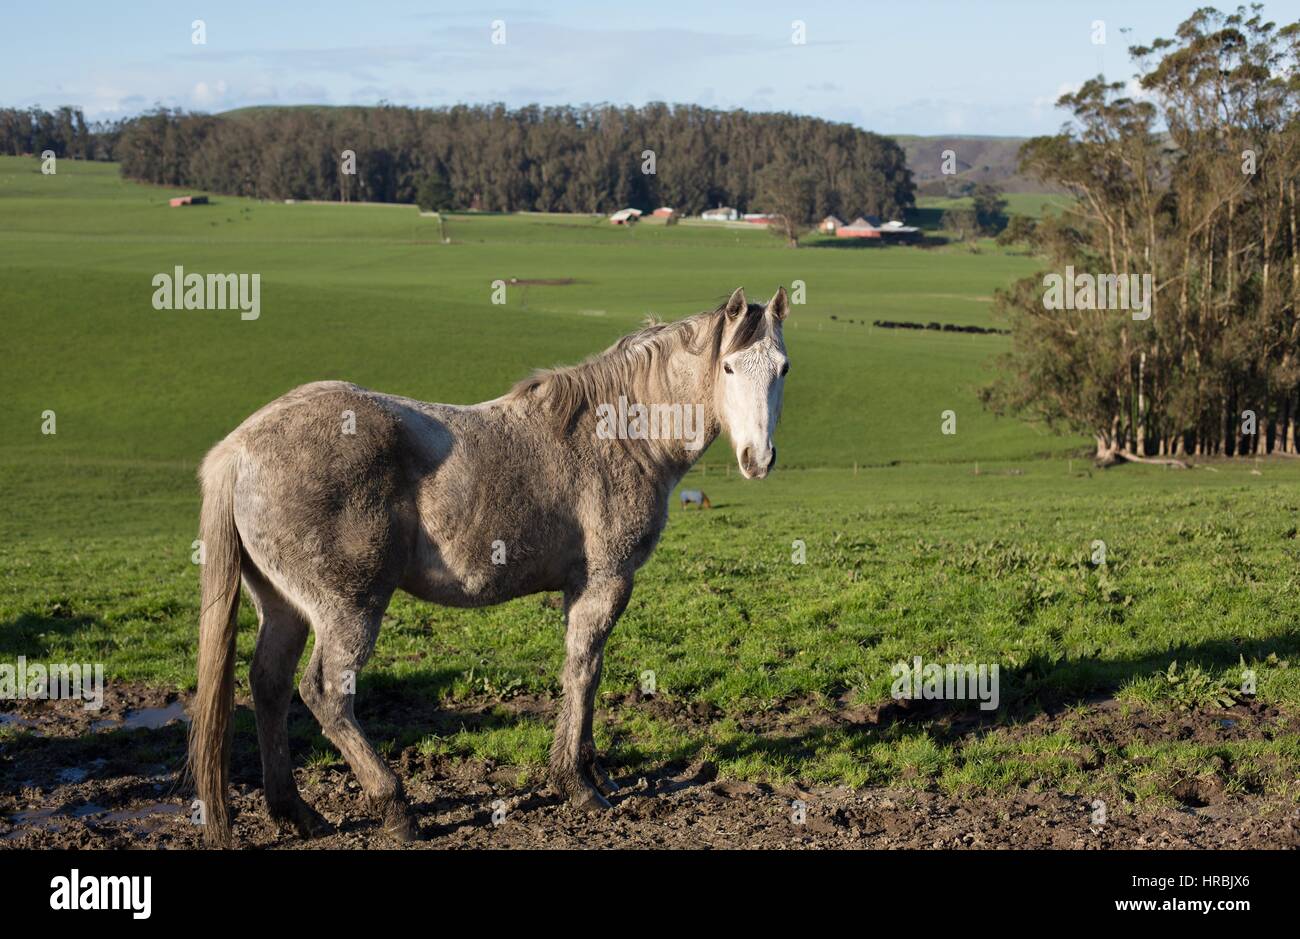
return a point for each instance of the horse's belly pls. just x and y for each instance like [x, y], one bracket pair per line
[481, 584]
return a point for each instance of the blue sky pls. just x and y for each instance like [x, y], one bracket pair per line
[904, 66]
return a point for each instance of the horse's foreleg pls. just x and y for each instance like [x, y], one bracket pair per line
[592, 612]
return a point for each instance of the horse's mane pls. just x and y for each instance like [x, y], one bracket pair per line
[636, 365]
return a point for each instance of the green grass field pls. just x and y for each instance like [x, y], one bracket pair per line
[973, 547]
[1032, 204]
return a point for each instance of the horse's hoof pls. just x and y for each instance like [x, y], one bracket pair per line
[302, 819]
[403, 831]
[399, 824]
[604, 782]
[590, 801]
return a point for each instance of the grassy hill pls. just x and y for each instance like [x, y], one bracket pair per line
[371, 295]
[929, 209]
[258, 109]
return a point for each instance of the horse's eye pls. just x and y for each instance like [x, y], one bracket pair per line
[785, 369]
[727, 368]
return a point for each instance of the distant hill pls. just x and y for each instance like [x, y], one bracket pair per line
[978, 160]
[258, 110]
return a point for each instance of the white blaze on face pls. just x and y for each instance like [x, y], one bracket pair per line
[753, 384]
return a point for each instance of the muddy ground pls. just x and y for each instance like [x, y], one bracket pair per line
[74, 778]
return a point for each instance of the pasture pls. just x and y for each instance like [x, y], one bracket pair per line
[1119, 681]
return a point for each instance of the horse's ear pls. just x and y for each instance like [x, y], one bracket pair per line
[779, 305]
[737, 304]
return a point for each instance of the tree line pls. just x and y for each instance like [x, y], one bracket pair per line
[63, 131]
[1191, 188]
[492, 158]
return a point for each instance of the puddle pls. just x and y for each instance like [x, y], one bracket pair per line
[23, 723]
[31, 816]
[141, 820]
[144, 820]
[145, 718]
[149, 811]
[34, 820]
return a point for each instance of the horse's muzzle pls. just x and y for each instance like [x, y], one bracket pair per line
[753, 467]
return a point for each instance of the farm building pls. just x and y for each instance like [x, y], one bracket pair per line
[723, 213]
[664, 211]
[895, 230]
[870, 227]
[829, 224]
[625, 216]
[756, 218]
[860, 228]
[187, 200]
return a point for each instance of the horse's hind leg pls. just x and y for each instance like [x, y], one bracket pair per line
[344, 641]
[280, 640]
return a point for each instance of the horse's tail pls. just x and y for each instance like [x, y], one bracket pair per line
[209, 762]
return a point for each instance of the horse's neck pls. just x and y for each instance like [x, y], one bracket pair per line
[691, 385]
[664, 462]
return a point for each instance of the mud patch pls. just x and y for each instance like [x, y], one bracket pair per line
[117, 788]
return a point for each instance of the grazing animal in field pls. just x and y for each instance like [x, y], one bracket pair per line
[695, 497]
[331, 498]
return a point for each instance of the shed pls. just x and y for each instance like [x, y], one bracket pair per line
[860, 228]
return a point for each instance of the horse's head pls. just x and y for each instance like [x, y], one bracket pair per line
[750, 381]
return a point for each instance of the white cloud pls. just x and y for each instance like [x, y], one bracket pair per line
[107, 99]
[1133, 89]
[1045, 104]
[205, 95]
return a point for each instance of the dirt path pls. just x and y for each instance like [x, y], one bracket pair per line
[107, 780]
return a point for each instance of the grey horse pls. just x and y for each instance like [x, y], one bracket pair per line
[332, 497]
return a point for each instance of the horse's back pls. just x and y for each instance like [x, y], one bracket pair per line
[464, 506]
[345, 426]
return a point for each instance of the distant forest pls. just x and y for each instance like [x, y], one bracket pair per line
[560, 159]
[63, 131]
